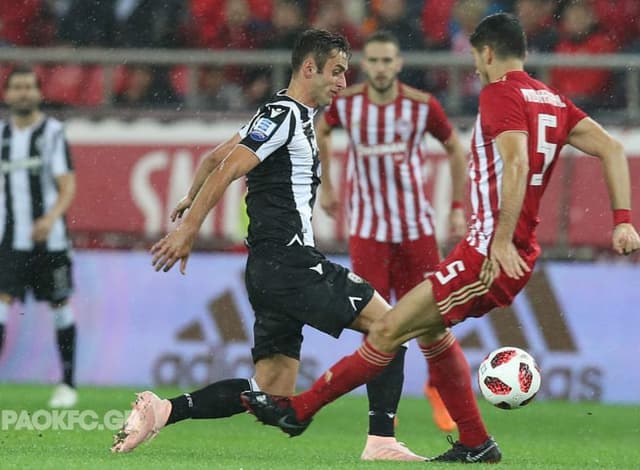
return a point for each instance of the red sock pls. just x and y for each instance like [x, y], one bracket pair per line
[450, 374]
[345, 375]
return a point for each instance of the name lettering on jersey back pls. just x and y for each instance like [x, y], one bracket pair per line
[32, 163]
[542, 96]
[382, 149]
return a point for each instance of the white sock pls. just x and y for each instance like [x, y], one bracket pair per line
[4, 313]
[63, 317]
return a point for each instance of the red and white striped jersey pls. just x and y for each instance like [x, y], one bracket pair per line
[515, 103]
[384, 168]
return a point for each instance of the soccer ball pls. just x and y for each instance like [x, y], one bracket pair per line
[509, 378]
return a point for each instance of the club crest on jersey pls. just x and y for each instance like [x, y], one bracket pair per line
[262, 129]
[403, 128]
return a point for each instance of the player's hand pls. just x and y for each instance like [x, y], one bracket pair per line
[508, 259]
[182, 206]
[329, 200]
[457, 225]
[174, 246]
[41, 228]
[625, 239]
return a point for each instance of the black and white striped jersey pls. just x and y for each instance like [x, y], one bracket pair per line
[30, 161]
[282, 188]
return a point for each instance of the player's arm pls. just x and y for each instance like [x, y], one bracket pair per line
[177, 245]
[589, 137]
[328, 197]
[209, 163]
[512, 146]
[66, 184]
[458, 167]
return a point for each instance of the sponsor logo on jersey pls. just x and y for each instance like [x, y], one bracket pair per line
[262, 129]
[353, 277]
[377, 150]
[33, 163]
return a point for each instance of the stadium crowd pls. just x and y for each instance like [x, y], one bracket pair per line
[563, 26]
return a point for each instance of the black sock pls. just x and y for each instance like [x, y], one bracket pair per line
[217, 400]
[384, 394]
[67, 347]
[1, 337]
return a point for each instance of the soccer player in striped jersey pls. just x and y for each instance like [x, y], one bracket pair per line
[392, 240]
[290, 283]
[37, 186]
[521, 127]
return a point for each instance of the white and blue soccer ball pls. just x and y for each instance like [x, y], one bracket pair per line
[509, 378]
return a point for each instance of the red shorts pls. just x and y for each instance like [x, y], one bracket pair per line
[397, 267]
[458, 291]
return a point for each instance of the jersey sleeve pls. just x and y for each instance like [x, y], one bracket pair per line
[574, 114]
[438, 124]
[331, 115]
[502, 109]
[268, 130]
[61, 160]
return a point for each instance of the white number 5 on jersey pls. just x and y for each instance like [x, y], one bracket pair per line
[453, 269]
[548, 149]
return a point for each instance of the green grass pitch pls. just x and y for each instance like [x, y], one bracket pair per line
[545, 435]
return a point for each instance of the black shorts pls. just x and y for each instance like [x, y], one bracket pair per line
[47, 274]
[290, 287]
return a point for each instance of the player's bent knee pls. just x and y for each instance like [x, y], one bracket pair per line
[383, 336]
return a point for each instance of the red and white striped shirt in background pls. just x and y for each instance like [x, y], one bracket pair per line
[385, 159]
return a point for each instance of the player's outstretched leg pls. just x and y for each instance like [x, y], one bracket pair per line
[345, 375]
[150, 413]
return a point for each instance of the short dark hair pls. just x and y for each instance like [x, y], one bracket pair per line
[503, 33]
[320, 44]
[22, 70]
[383, 36]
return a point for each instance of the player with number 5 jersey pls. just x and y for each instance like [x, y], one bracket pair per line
[514, 105]
[521, 127]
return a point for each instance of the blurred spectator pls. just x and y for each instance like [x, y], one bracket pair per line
[331, 15]
[537, 21]
[258, 88]
[240, 30]
[588, 88]
[216, 94]
[287, 22]
[84, 23]
[25, 23]
[391, 15]
[72, 85]
[207, 17]
[436, 16]
[149, 23]
[145, 85]
[466, 15]
[620, 19]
